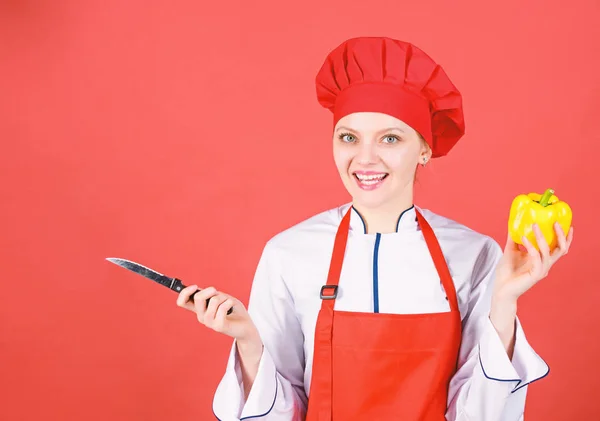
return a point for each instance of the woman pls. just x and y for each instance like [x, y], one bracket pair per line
[381, 310]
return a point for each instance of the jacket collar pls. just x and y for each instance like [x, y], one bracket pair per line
[406, 220]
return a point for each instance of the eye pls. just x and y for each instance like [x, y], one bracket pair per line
[347, 137]
[391, 139]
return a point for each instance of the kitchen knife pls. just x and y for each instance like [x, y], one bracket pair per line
[171, 283]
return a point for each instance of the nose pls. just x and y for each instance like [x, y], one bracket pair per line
[367, 153]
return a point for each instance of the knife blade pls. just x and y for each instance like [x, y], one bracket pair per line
[171, 283]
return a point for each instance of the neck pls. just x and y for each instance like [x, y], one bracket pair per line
[383, 219]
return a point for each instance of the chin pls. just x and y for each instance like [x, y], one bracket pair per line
[371, 200]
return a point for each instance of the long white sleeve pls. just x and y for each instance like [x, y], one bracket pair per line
[488, 386]
[277, 393]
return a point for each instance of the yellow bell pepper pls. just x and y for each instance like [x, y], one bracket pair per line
[543, 210]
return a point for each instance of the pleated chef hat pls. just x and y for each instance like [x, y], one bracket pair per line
[380, 74]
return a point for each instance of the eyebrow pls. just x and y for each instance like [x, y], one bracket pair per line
[388, 129]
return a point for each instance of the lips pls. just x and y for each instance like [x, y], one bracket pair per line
[369, 180]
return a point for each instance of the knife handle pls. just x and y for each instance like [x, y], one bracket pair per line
[178, 286]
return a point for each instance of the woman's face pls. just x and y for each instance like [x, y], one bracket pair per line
[376, 155]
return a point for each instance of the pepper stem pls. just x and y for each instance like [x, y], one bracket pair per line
[546, 197]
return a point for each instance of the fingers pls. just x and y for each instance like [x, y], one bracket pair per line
[542, 244]
[213, 315]
[229, 303]
[561, 240]
[211, 311]
[183, 299]
[534, 257]
[200, 301]
[545, 261]
[564, 242]
[510, 244]
[218, 323]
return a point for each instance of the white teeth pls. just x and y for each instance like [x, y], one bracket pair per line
[369, 182]
[370, 177]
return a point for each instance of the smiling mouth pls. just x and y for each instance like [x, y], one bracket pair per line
[371, 180]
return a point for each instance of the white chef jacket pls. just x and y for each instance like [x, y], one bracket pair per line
[386, 273]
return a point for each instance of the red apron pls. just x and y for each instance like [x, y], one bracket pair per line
[380, 367]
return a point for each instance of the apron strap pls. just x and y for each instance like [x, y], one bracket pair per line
[438, 259]
[324, 332]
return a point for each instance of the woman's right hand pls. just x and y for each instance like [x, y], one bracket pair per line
[238, 324]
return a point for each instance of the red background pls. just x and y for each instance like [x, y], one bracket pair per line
[184, 134]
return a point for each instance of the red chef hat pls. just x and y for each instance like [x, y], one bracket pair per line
[379, 74]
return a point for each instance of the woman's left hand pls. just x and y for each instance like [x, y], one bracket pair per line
[519, 269]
